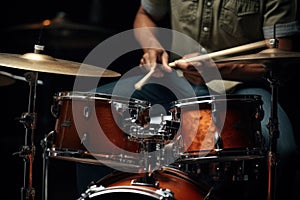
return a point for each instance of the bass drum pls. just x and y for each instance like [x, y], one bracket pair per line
[165, 184]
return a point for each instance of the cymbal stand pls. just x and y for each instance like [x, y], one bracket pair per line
[273, 136]
[44, 143]
[272, 157]
[27, 152]
[28, 119]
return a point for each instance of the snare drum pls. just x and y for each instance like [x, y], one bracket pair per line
[93, 126]
[219, 126]
[166, 184]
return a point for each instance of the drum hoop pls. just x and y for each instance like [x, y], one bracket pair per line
[216, 98]
[136, 190]
[183, 176]
[119, 175]
[105, 181]
[98, 96]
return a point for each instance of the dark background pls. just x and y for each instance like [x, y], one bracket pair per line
[104, 19]
[109, 17]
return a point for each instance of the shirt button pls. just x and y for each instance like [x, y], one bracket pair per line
[208, 3]
[193, 18]
[205, 28]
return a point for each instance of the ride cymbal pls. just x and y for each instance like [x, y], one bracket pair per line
[44, 63]
[60, 22]
[265, 56]
[60, 32]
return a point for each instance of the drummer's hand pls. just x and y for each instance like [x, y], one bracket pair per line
[192, 71]
[157, 58]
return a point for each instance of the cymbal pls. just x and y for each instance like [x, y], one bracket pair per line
[265, 56]
[59, 32]
[60, 22]
[44, 63]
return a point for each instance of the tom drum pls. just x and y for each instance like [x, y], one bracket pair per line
[218, 126]
[93, 126]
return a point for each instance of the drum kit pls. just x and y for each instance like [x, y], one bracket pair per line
[96, 128]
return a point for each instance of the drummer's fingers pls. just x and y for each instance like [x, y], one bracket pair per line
[164, 61]
[152, 58]
[142, 61]
[182, 64]
[191, 55]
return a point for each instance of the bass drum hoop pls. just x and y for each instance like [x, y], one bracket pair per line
[110, 185]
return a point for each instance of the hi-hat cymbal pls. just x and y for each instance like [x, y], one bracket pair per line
[265, 56]
[44, 63]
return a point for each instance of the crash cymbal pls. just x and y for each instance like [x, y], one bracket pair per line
[272, 55]
[44, 63]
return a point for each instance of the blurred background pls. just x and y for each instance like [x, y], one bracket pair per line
[79, 27]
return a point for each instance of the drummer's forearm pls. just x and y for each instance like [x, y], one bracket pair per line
[144, 31]
[242, 72]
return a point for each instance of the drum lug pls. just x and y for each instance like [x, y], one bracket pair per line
[146, 180]
[86, 112]
[167, 194]
[66, 123]
[91, 190]
[55, 110]
[218, 141]
[84, 138]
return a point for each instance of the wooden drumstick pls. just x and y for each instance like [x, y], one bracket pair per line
[238, 49]
[140, 84]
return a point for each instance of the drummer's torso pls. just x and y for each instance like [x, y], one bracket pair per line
[220, 20]
[222, 24]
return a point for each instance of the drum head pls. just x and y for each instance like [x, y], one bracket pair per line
[215, 98]
[76, 95]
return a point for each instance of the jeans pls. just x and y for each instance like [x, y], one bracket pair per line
[160, 92]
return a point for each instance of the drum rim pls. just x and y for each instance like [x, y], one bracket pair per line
[80, 95]
[119, 189]
[216, 98]
[171, 171]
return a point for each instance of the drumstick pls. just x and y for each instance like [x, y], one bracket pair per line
[238, 49]
[140, 84]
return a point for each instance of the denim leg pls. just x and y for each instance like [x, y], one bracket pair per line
[157, 91]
